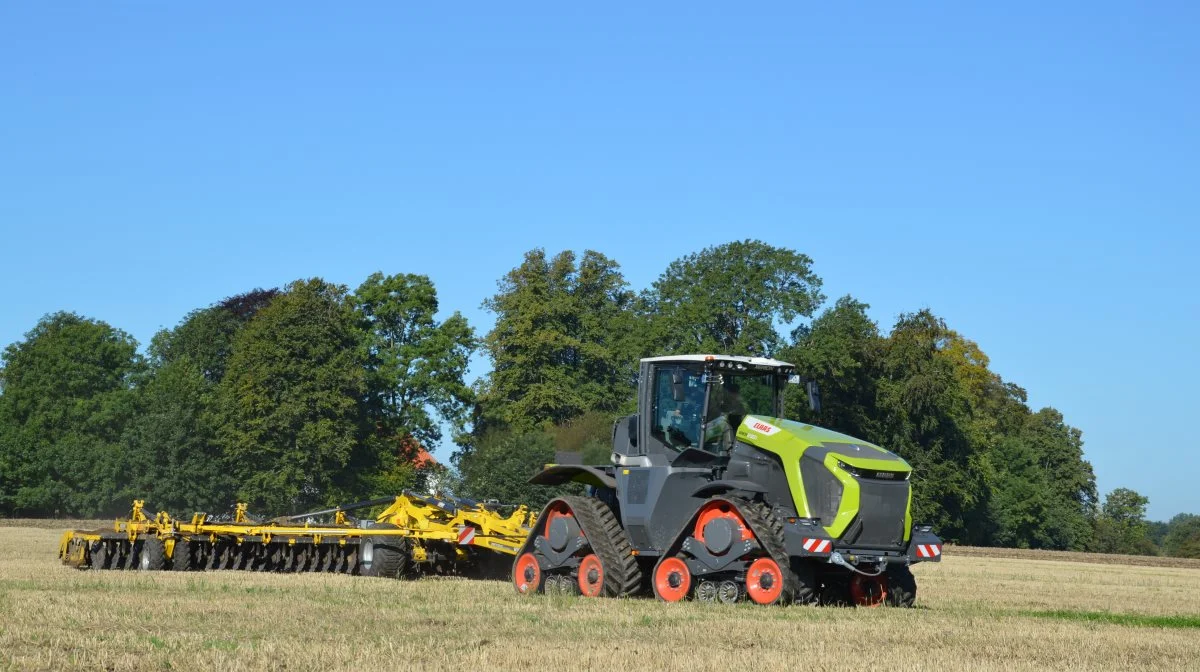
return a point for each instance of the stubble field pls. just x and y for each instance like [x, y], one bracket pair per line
[976, 610]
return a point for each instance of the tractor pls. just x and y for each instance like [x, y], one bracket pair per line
[711, 495]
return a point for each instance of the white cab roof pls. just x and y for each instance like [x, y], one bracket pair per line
[753, 361]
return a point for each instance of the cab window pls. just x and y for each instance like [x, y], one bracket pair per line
[678, 407]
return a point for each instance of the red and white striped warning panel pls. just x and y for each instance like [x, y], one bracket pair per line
[929, 550]
[466, 536]
[817, 545]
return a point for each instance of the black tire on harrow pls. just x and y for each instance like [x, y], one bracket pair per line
[153, 554]
[384, 556]
[183, 557]
[902, 587]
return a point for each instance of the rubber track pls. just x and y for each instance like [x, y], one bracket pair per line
[622, 576]
[769, 532]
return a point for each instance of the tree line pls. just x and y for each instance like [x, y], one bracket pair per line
[314, 394]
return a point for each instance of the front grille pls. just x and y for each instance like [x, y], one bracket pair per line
[881, 513]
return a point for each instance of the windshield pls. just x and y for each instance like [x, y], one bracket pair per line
[738, 396]
[680, 410]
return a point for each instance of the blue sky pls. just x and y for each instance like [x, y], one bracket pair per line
[1028, 172]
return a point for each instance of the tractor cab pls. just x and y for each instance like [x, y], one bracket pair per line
[697, 402]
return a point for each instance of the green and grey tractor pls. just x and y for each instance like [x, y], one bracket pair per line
[712, 495]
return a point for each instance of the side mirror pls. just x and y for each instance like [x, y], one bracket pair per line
[677, 381]
[633, 429]
[814, 396]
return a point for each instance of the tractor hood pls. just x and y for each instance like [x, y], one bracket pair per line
[845, 457]
[790, 439]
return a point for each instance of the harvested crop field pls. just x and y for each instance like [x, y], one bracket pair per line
[975, 612]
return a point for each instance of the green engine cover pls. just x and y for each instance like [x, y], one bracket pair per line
[790, 439]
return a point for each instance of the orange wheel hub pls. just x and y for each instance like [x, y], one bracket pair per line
[672, 580]
[717, 510]
[591, 576]
[868, 591]
[764, 581]
[527, 575]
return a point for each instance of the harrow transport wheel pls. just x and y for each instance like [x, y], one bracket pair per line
[527, 575]
[868, 591]
[383, 556]
[153, 555]
[901, 587]
[764, 581]
[182, 559]
[672, 579]
[591, 576]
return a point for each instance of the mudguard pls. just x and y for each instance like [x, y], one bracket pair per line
[557, 474]
[720, 487]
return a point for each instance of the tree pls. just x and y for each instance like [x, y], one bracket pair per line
[1069, 481]
[564, 343]
[170, 444]
[1020, 502]
[66, 398]
[925, 414]
[502, 463]
[1183, 536]
[842, 351]
[205, 336]
[1121, 526]
[414, 363]
[729, 298]
[290, 411]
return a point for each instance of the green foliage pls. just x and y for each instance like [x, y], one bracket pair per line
[170, 445]
[589, 436]
[414, 364]
[843, 351]
[564, 343]
[925, 415]
[289, 412]
[1121, 525]
[205, 336]
[729, 298]
[66, 398]
[987, 469]
[1183, 536]
[501, 465]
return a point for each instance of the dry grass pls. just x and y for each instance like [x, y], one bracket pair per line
[975, 613]
[1070, 556]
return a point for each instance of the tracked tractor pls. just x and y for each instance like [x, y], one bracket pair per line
[711, 495]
